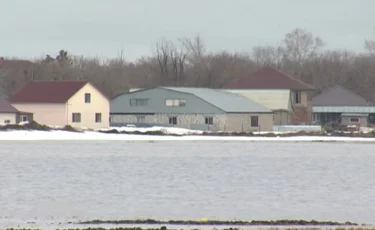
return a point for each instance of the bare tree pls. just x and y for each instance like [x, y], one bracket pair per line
[269, 56]
[301, 46]
[370, 46]
[162, 53]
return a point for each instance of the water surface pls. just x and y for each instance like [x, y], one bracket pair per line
[46, 181]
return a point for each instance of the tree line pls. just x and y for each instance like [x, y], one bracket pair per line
[186, 62]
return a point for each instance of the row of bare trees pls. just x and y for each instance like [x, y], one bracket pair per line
[186, 62]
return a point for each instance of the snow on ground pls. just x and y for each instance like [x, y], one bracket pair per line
[166, 130]
[92, 135]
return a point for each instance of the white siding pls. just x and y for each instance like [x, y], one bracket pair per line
[272, 99]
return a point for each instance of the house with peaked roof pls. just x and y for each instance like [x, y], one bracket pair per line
[192, 108]
[58, 103]
[339, 105]
[285, 95]
[11, 115]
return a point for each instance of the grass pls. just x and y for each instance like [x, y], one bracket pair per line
[221, 222]
[165, 228]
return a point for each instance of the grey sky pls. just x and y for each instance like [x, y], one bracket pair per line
[105, 27]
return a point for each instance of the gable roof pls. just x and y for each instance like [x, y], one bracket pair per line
[6, 107]
[47, 91]
[340, 96]
[268, 78]
[226, 101]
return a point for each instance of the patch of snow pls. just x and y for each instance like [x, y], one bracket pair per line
[366, 130]
[92, 135]
[165, 130]
[23, 123]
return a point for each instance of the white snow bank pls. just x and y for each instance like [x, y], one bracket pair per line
[166, 130]
[92, 135]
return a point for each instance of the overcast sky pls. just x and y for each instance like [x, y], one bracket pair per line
[32, 28]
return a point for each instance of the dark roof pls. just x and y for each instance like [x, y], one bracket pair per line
[47, 91]
[268, 78]
[340, 96]
[6, 107]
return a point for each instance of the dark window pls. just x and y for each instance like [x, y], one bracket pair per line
[209, 120]
[173, 120]
[354, 119]
[141, 119]
[297, 97]
[98, 117]
[6, 121]
[76, 117]
[138, 102]
[23, 118]
[254, 121]
[87, 98]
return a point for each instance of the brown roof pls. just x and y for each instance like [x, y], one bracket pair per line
[47, 91]
[268, 78]
[6, 107]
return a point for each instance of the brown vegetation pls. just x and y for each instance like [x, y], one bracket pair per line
[186, 62]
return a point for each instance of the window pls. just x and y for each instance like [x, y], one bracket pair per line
[6, 121]
[76, 117]
[138, 102]
[209, 120]
[354, 119]
[98, 117]
[254, 121]
[23, 118]
[297, 98]
[141, 119]
[181, 102]
[87, 98]
[175, 102]
[173, 120]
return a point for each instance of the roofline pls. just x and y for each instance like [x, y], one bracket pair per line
[194, 96]
[97, 88]
[308, 86]
[223, 92]
[33, 102]
[291, 89]
[270, 112]
[143, 89]
[82, 81]
[344, 88]
[293, 78]
[166, 88]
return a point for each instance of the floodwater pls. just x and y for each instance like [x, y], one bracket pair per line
[61, 181]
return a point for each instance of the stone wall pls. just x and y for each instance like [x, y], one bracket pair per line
[235, 122]
[241, 122]
[188, 121]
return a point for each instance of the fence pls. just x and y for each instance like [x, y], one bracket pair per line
[297, 128]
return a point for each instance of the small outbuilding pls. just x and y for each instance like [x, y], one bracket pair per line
[10, 115]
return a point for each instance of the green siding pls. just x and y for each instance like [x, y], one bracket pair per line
[156, 103]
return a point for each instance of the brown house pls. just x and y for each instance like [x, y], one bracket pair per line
[285, 95]
[10, 115]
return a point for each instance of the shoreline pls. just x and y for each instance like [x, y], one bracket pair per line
[63, 135]
[35, 131]
[151, 224]
[205, 222]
